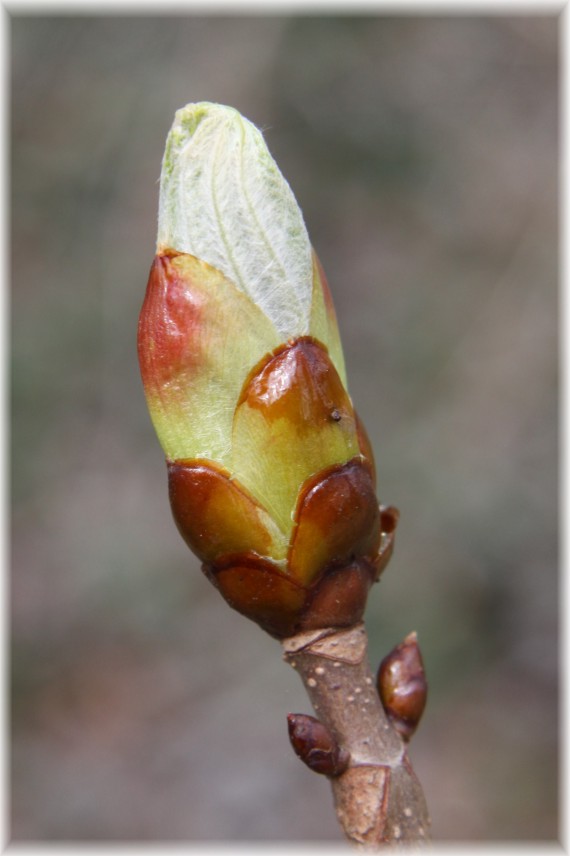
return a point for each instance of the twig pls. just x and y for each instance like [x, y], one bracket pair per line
[270, 471]
[378, 798]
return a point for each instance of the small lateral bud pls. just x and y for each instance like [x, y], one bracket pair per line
[315, 745]
[402, 686]
[389, 516]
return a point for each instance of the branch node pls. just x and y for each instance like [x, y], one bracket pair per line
[378, 798]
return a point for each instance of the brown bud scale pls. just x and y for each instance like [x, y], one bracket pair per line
[402, 686]
[315, 745]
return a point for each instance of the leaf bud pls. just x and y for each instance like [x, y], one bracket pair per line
[270, 472]
[402, 686]
[316, 746]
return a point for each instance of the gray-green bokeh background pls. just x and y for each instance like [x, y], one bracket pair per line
[424, 154]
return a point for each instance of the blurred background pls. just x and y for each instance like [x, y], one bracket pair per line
[424, 154]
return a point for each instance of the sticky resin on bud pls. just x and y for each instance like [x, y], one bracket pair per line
[271, 475]
[402, 686]
[316, 746]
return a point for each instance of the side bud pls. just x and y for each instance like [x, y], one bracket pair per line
[402, 686]
[315, 745]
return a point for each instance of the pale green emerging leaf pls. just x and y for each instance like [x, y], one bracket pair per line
[224, 200]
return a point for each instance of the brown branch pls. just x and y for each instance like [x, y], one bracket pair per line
[378, 798]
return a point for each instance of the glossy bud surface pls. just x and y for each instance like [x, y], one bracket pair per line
[402, 686]
[271, 475]
[315, 745]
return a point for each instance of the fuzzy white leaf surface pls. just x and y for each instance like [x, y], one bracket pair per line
[224, 200]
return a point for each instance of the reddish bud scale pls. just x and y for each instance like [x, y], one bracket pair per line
[298, 382]
[169, 326]
[402, 686]
[315, 745]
